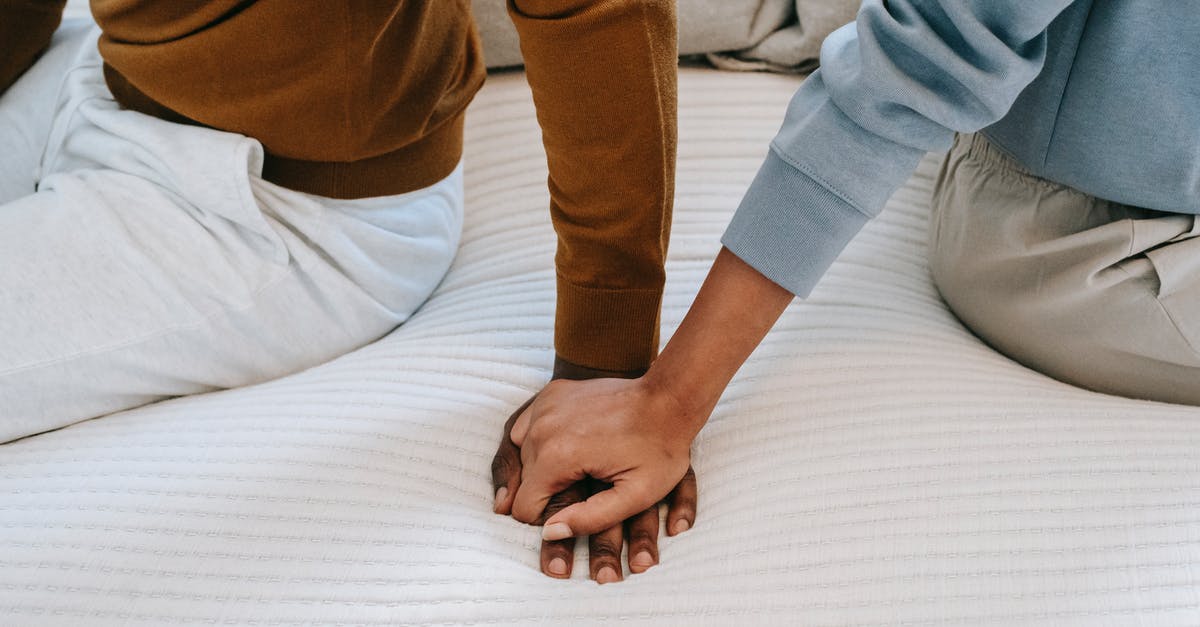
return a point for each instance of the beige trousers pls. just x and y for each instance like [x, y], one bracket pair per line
[1098, 294]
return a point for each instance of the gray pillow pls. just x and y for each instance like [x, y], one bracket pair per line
[749, 34]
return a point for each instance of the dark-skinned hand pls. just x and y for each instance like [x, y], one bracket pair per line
[604, 548]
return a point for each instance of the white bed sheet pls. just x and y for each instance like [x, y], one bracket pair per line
[872, 464]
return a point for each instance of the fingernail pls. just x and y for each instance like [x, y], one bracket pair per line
[681, 526]
[606, 575]
[556, 531]
[642, 560]
[557, 566]
[501, 494]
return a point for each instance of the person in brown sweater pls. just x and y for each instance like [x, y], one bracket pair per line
[115, 189]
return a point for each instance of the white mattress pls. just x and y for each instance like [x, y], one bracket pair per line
[873, 463]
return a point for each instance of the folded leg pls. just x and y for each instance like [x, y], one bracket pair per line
[27, 109]
[1091, 292]
[153, 261]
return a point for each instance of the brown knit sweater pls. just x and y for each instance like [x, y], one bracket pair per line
[357, 98]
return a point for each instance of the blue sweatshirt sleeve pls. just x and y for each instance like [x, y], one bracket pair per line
[893, 85]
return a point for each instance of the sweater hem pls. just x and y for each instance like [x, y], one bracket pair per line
[409, 168]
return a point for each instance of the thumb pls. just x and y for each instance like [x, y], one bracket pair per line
[601, 511]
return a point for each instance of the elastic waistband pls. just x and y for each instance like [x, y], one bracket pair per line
[977, 146]
[411, 167]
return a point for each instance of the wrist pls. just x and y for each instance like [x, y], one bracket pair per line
[734, 309]
[564, 369]
[690, 404]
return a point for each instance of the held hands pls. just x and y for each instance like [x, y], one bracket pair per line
[538, 484]
[615, 430]
[634, 434]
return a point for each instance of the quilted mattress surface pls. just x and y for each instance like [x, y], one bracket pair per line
[873, 463]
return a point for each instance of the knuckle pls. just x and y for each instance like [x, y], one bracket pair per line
[562, 500]
[683, 512]
[501, 466]
[683, 493]
[559, 548]
[603, 550]
[642, 535]
[558, 450]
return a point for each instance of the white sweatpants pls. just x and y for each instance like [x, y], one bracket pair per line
[141, 259]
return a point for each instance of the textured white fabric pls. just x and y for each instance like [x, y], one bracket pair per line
[776, 34]
[873, 463]
[77, 9]
[153, 260]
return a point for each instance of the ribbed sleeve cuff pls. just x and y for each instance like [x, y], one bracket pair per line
[606, 329]
[789, 227]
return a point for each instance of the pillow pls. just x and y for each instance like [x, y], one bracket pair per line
[750, 34]
[781, 35]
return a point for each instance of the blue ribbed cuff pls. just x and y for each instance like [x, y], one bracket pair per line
[789, 227]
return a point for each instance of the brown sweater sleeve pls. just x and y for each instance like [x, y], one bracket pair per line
[603, 74]
[25, 30]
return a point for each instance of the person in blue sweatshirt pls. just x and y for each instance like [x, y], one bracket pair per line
[1064, 229]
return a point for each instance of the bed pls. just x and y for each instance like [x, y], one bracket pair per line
[873, 463]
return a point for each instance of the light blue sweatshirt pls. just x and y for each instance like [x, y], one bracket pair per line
[1100, 95]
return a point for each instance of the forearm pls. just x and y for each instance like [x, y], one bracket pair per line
[25, 30]
[603, 79]
[896, 83]
[733, 311]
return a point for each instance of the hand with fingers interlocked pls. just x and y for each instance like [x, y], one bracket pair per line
[640, 530]
[633, 434]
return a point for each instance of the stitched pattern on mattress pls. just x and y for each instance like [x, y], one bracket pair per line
[873, 463]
